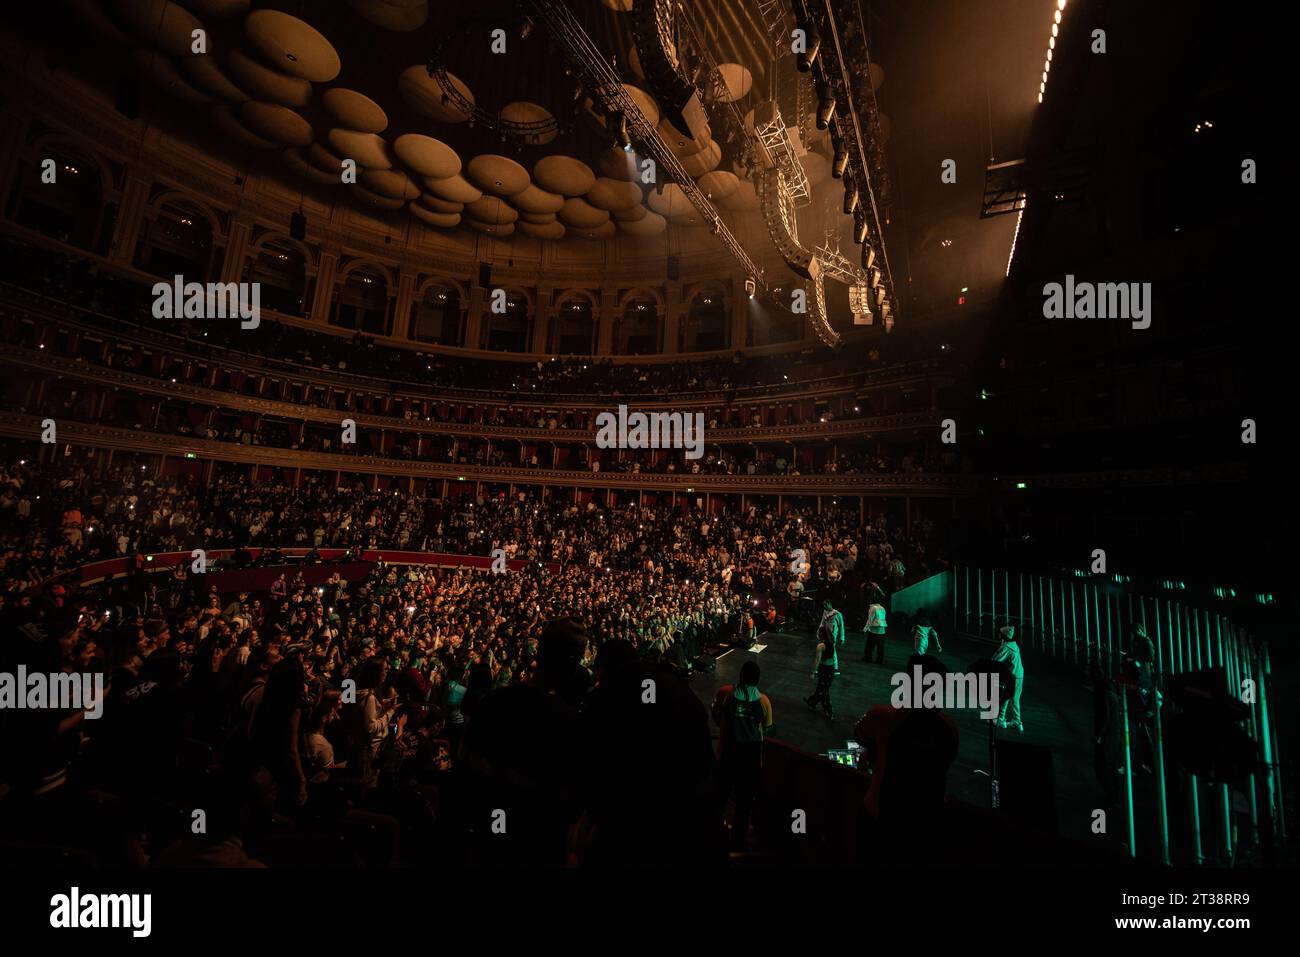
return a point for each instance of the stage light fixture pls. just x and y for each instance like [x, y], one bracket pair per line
[851, 197]
[751, 287]
[804, 61]
[620, 131]
[839, 162]
[825, 109]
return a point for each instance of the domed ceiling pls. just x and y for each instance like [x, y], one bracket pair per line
[418, 94]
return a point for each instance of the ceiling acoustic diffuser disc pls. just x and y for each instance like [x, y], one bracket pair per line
[564, 175]
[292, 46]
[355, 111]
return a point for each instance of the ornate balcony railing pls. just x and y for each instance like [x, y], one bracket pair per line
[83, 371]
[917, 373]
[13, 425]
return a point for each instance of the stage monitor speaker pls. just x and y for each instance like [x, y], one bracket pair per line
[126, 97]
[484, 275]
[678, 98]
[1027, 785]
[298, 226]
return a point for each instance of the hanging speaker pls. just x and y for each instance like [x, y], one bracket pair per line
[484, 275]
[298, 226]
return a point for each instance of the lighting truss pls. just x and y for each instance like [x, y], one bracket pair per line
[773, 13]
[603, 84]
[836, 265]
[770, 130]
[530, 131]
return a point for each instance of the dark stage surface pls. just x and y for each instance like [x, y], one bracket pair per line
[1056, 706]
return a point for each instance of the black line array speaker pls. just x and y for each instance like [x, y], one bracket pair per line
[484, 275]
[679, 99]
[298, 226]
[1027, 785]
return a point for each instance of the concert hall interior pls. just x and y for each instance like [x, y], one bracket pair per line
[600, 433]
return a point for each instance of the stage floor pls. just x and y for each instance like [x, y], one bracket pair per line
[1056, 706]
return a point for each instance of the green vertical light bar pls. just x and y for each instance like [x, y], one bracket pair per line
[1020, 601]
[1074, 626]
[979, 587]
[1195, 628]
[993, 603]
[1038, 621]
[1275, 811]
[1006, 601]
[967, 612]
[1160, 641]
[1110, 637]
[1225, 796]
[1241, 652]
[1187, 651]
[952, 584]
[1194, 817]
[1182, 643]
[1162, 794]
[1033, 620]
[1128, 775]
[1214, 638]
[1128, 625]
[1087, 640]
[1051, 605]
[1096, 615]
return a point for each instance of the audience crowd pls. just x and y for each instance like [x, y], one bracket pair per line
[400, 708]
[54, 519]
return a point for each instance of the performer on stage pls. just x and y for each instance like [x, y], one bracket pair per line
[1009, 651]
[874, 651]
[830, 635]
[923, 634]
